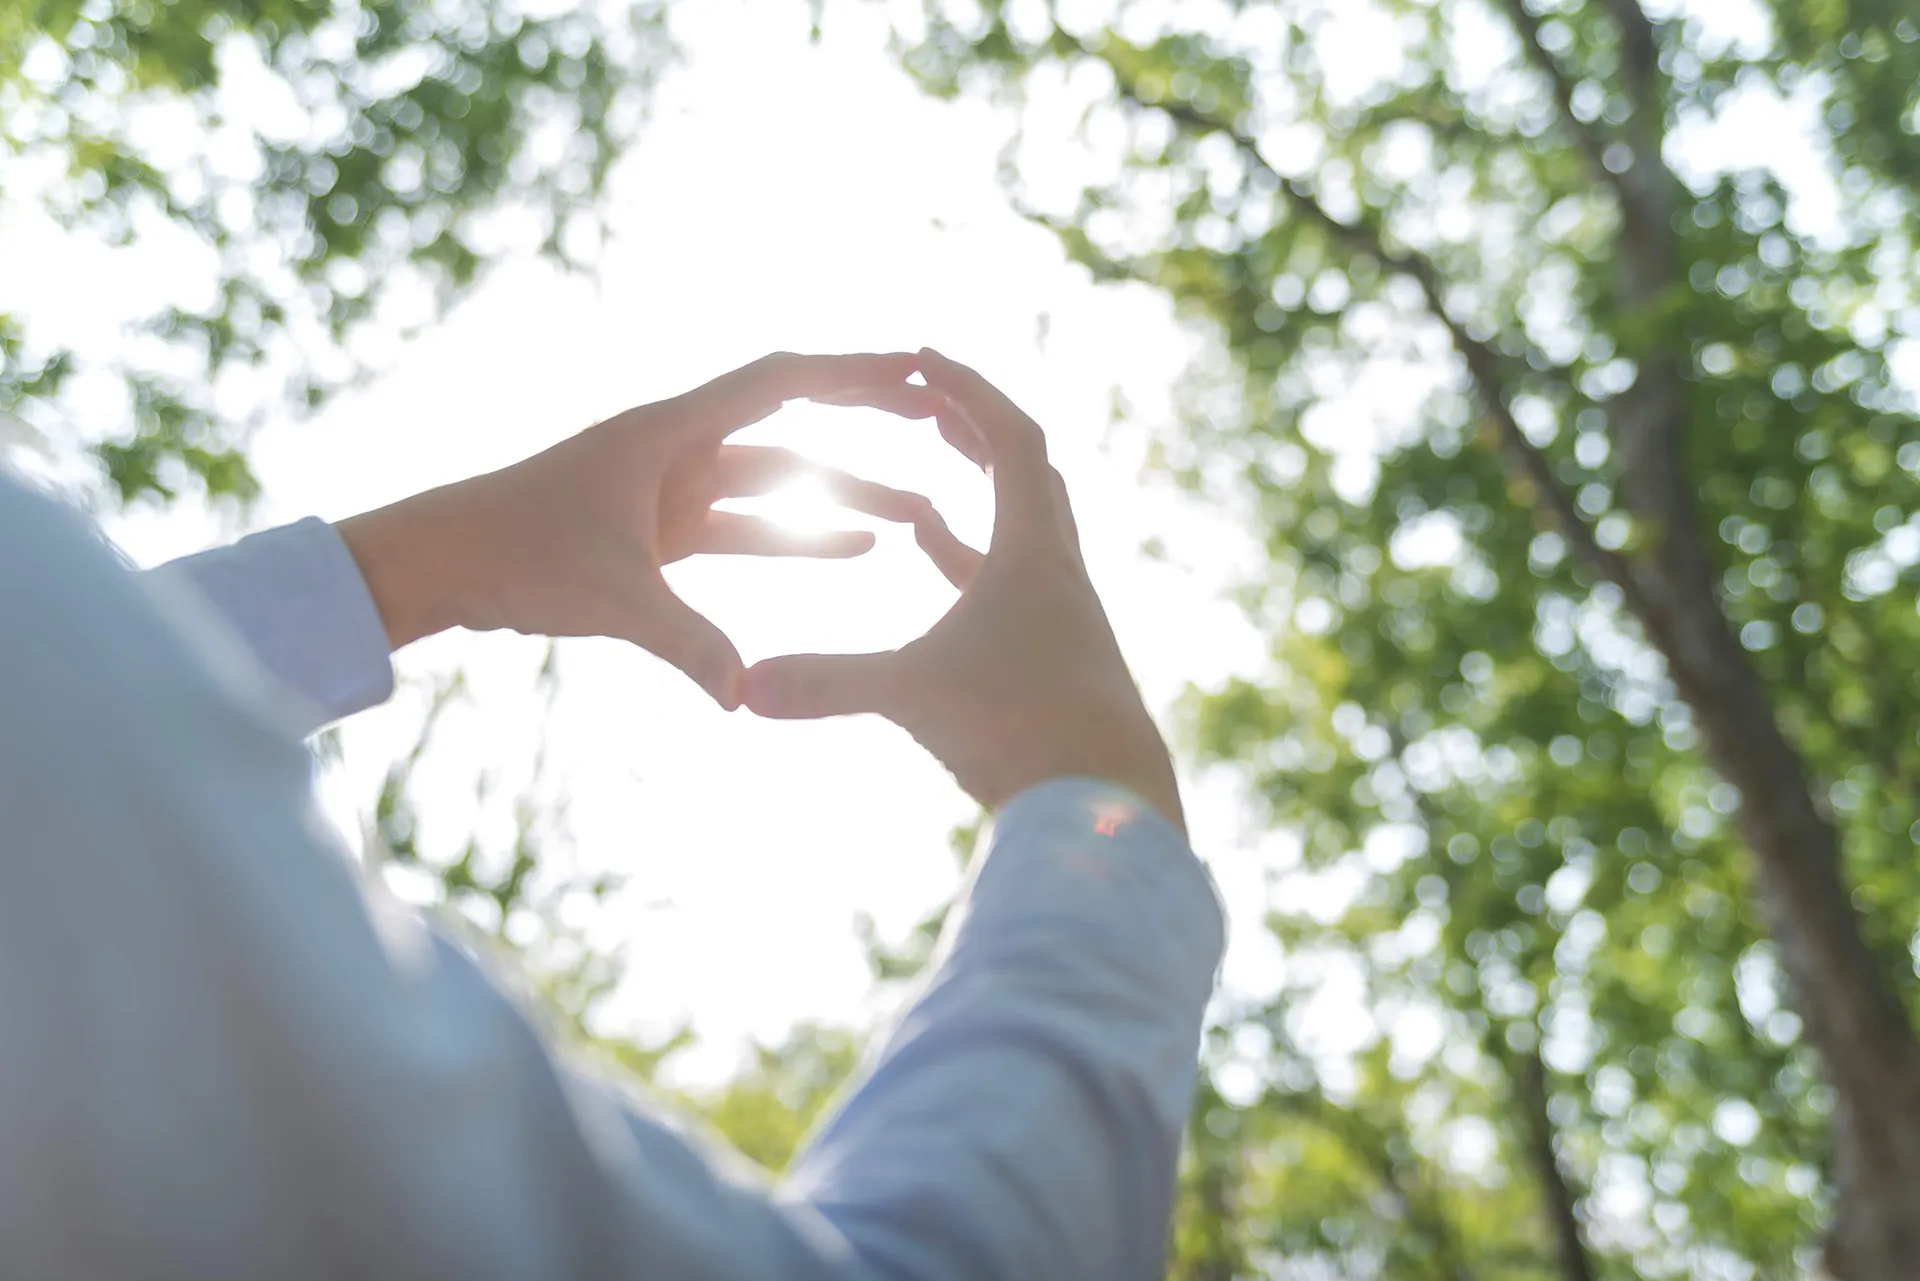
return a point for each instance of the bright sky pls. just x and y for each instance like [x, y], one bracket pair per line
[789, 197]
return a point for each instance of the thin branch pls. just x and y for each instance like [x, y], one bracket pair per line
[1646, 186]
[1527, 23]
[1640, 48]
[1532, 1080]
[1483, 362]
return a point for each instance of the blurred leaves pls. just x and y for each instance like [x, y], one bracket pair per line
[1503, 838]
[341, 172]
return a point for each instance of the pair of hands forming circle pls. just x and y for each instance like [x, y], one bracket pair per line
[1019, 682]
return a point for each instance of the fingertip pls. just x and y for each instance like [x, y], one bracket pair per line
[758, 692]
[723, 685]
[719, 667]
[931, 363]
[835, 544]
[841, 544]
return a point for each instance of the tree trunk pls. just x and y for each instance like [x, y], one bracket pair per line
[1530, 1077]
[1852, 1013]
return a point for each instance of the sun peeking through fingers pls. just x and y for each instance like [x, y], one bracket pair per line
[804, 506]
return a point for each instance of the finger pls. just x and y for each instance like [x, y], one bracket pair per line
[953, 558]
[1024, 494]
[960, 433]
[870, 497]
[736, 534]
[908, 400]
[750, 393]
[809, 686]
[1064, 506]
[748, 471]
[672, 630]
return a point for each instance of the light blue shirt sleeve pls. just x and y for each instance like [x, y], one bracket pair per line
[227, 1058]
[295, 597]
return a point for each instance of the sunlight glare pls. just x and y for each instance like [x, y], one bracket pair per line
[805, 507]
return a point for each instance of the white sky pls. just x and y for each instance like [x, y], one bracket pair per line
[794, 197]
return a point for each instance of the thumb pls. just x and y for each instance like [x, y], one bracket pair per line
[674, 631]
[808, 686]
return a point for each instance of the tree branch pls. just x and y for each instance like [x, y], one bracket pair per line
[1639, 46]
[1591, 142]
[1532, 1081]
[1483, 362]
[1646, 185]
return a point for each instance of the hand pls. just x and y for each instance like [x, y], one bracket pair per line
[1022, 680]
[570, 542]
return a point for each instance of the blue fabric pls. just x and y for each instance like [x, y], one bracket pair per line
[295, 596]
[226, 1058]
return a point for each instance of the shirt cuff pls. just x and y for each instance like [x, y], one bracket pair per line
[296, 597]
[1080, 856]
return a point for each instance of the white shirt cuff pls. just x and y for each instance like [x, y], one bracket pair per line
[296, 597]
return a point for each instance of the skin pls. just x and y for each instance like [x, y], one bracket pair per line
[571, 541]
[1021, 682]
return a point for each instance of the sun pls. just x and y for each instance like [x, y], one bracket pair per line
[803, 506]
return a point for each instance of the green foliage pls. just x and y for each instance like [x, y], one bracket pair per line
[1491, 779]
[771, 1106]
[332, 164]
[517, 901]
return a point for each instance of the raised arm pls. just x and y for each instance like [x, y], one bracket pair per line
[569, 542]
[1024, 1119]
[225, 1063]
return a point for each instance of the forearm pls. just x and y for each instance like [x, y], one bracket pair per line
[415, 556]
[1024, 1118]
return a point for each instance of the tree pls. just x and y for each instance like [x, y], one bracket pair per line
[767, 1110]
[343, 169]
[1587, 676]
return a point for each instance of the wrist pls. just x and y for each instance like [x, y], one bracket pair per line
[411, 554]
[1127, 755]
